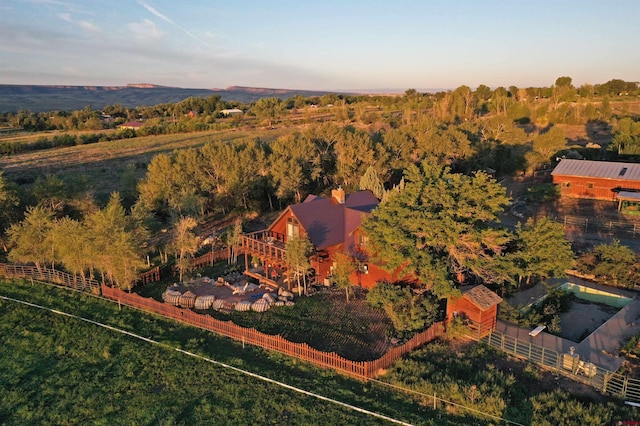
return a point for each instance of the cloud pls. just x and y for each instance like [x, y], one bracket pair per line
[145, 30]
[151, 9]
[155, 12]
[88, 26]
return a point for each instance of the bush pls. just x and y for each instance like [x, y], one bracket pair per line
[408, 311]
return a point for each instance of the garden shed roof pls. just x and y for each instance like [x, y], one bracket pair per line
[482, 297]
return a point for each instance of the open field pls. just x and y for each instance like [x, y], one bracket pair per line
[102, 163]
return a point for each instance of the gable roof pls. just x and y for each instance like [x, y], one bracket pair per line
[482, 297]
[328, 222]
[598, 169]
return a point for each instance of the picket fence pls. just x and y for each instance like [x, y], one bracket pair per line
[362, 370]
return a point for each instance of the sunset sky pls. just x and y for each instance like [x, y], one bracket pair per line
[323, 45]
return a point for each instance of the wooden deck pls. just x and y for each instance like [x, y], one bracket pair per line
[267, 245]
[262, 279]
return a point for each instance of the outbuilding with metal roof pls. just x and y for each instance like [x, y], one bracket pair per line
[601, 180]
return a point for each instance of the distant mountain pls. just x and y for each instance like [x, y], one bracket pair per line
[67, 98]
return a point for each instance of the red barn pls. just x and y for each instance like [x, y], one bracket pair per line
[478, 304]
[331, 224]
[601, 180]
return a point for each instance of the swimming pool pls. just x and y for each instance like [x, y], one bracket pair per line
[596, 296]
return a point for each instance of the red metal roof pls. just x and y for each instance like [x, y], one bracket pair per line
[598, 169]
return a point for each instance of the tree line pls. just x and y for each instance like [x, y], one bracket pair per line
[560, 102]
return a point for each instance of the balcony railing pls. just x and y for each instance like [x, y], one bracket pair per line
[267, 245]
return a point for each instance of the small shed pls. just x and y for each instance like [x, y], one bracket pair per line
[478, 304]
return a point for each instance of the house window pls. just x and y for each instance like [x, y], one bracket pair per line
[590, 185]
[293, 229]
[566, 184]
[363, 240]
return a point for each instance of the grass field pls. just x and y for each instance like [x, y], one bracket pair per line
[102, 163]
[60, 370]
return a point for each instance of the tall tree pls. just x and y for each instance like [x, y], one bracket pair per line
[442, 228]
[268, 109]
[185, 244]
[615, 264]
[371, 181]
[9, 203]
[30, 240]
[71, 246]
[298, 250]
[234, 239]
[343, 268]
[116, 243]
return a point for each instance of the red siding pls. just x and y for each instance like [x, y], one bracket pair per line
[280, 226]
[596, 188]
[486, 319]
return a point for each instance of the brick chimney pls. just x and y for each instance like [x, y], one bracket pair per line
[338, 194]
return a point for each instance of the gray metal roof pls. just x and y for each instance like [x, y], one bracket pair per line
[628, 195]
[598, 169]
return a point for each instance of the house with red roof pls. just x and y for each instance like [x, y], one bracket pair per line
[332, 224]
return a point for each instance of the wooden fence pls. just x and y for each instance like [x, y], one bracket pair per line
[150, 276]
[359, 369]
[209, 258]
[50, 275]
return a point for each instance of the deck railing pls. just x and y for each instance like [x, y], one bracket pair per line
[267, 245]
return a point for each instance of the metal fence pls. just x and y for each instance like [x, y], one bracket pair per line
[593, 224]
[562, 363]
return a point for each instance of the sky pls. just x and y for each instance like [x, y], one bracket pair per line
[332, 45]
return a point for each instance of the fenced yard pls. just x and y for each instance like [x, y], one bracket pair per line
[602, 379]
[362, 370]
[359, 369]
